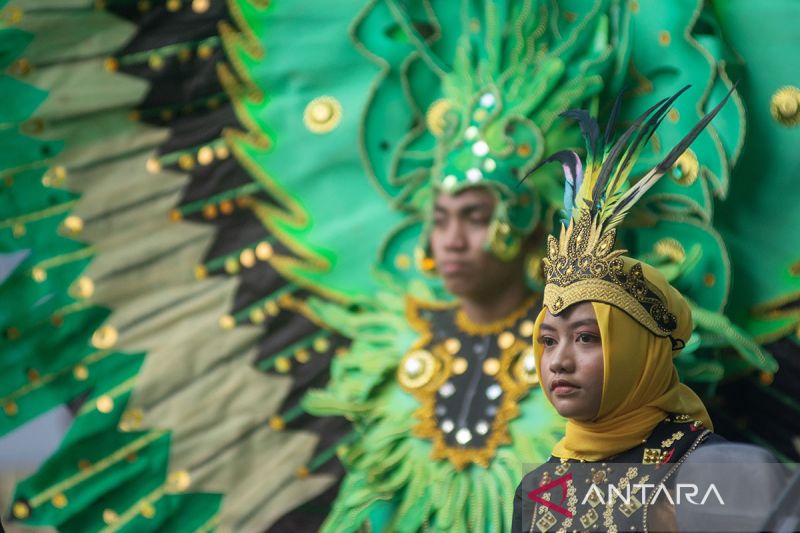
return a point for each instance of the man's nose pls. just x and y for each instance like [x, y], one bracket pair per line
[455, 237]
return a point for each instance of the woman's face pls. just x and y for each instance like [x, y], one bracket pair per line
[572, 361]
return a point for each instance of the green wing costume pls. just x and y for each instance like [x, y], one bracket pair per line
[209, 209]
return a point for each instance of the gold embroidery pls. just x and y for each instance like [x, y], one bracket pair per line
[468, 326]
[582, 265]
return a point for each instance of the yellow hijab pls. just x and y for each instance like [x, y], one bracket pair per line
[640, 384]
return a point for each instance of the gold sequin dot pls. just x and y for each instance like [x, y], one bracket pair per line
[200, 6]
[57, 320]
[204, 51]
[80, 372]
[303, 472]
[785, 106]
[59, 501]
[505, 340]
[664, 38]
[205, 155]
[526, 328]
[491, 366]
[184, 54]
[33, 374]
[272, 308]
[105, 404]
[82, 288]
[247, 258]
[231, 265]
[257, 316]
[18, 230]
[321, 345]
[155, 62]
[153, 165]
[227, 322]
[766, 378]
[186, 162]
[21, 510]
[221, 151]
[402, 262]
[673, 115]
[264, 251]
[709, 279]
[427, 264]
[105, 337]
[84, 464]
[283, 365]
[175, 215]
[73, 224]
[200, 272]
[39, 274]
[111, 64]
[634, 6]
[322, 114]
[435, 116]
[210, 211]
[276, 423]
[147, 510]
[686, 168]
[173, 5]
[452, 345]
[302, 356]
[10, 408]
[179, 481]
[460, 365]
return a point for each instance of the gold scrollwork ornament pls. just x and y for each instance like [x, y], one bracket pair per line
[416, 369]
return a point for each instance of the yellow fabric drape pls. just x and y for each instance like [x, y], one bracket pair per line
[640, 385]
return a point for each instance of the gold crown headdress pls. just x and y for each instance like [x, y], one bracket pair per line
[582, 264]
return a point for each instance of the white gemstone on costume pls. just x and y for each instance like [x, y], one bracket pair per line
[489, 165]
[529, 363]
[487, 100]
[463, 436]
[440, 410]
[413, 366]
[449, 182]
[474, 174]
[447, 390]
[482, 427]
[471, 133]
[494, 392]
[447, 425]
[480, 148]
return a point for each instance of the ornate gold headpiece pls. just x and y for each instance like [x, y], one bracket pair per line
[582, 264]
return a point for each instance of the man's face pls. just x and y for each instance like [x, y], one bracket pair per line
[460, 227]
[572, 361]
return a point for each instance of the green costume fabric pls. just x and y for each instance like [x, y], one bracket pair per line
[139, 298]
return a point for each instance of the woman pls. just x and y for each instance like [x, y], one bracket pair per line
[604, 344]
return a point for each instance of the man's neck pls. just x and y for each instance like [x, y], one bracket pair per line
[497, 306]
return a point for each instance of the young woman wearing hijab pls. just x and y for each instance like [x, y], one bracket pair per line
[604, 345]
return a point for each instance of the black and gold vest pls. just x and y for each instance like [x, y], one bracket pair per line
[468, 378]
[615, 494]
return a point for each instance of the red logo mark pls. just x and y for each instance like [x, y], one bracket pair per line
[562, 482]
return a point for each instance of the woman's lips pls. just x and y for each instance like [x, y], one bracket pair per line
[452, 268]
[562, 387]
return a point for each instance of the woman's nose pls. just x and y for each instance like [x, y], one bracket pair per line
[562, 359]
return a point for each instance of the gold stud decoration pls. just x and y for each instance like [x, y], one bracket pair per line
[80, 372]
[322, 114]
[435, 116]
[200, 6]
[59, 501]
[276, 423]
[416, 369]
[178, 481]
[227, 322]
[526, 328]
[83, 287]
[109, 516]
[247, 258]
[452, 345]
[785, 106]
[105, 337]
[38, 274]
[687, 168]
[105, 404]
[321, 345]
[153, 165]
[524, 370]
[402, 262]
[73, 224]
[491, 366]
[21, 510]
[283, 365]
[205, 156]
[460, 365]
[147, 510]
[505, 340]
[10, 408]
[257, 316]
[264, 251]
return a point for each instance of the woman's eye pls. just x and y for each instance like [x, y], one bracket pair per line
[587, 338]
[547, 341]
